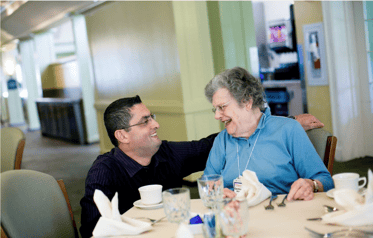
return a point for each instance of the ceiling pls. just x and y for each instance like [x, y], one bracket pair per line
[21, 19]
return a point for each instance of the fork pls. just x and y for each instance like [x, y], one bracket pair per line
[343, 233]
[282, 204]
[270, 207]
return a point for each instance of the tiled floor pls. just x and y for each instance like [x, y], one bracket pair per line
[71, 162]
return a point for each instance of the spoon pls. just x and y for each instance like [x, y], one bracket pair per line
[327, 209]
[330, 209]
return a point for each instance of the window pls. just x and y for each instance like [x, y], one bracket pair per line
[368, 17]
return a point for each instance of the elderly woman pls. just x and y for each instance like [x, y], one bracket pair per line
[277, 149]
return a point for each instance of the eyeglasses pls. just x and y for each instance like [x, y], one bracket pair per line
[146, 121]
[220, 108]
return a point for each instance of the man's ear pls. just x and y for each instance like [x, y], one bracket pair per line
[121, 136]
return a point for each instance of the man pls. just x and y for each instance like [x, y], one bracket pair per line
[141, 158]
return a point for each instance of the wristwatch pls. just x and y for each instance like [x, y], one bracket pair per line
[315, 186]
[291, 117]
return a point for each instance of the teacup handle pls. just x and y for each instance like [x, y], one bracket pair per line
[362, 179]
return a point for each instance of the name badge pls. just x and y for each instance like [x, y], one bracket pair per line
[237, 184]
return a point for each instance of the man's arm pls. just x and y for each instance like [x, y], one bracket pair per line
[99, 177]
[308, 121]
[192, 155]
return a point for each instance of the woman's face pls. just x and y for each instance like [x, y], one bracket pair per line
[235, 117]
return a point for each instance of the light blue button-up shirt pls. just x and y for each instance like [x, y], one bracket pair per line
[282, 154]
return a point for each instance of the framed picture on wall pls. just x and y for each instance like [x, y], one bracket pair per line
[314, 48]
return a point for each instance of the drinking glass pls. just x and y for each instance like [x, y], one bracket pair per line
[176, 204]
[210, 188]
[233, 217]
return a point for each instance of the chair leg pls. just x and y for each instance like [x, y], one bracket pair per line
[331, 146]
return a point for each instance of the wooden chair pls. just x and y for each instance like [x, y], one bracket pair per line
[12, 146]
[34, 204]
[325, 144]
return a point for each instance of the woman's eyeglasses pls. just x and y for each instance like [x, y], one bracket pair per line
[220, 108]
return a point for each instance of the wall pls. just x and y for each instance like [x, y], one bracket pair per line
[134, 51]
[318, 97]
[61, 75]
[237, 25]
[196, 66]
[275, 10]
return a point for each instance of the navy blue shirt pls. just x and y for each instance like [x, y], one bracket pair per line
[116, 172]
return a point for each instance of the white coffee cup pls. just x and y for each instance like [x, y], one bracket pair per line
[151, 194]
[348, 181]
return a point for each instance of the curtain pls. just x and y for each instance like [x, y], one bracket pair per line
[345, 79]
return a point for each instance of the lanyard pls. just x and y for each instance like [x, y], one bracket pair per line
[238, 156]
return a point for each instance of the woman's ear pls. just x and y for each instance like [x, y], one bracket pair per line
[249, 104]
[121, 136]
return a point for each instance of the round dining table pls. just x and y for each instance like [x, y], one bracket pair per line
[287, 221]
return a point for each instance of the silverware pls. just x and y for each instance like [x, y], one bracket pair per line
[153, 221]
[327, 209]
[330, 209]
[270, 207]
[282, 204]
[343, 233]
[160, 219]
[314, 219]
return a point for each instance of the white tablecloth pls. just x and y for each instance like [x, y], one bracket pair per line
[286, 221]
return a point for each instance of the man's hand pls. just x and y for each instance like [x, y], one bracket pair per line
[302, 189]
[309, 122]
[229, 193]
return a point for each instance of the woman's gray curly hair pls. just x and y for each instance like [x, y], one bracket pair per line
[240, 83]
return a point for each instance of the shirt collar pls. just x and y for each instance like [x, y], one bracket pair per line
[263, 119]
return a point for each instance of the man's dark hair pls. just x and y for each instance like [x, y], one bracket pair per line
[117, 116]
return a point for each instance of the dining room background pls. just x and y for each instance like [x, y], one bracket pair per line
[166, 52]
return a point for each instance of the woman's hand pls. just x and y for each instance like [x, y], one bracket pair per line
[228, 193]
[302, 189]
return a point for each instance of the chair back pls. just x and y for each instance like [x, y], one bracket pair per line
[325, 144]
[12, 146]
[33, 205]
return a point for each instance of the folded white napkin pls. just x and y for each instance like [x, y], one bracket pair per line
[251, 189]
[111, 223]
[183, 231]
[357, 210]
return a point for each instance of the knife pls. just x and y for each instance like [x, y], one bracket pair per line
[314, 219]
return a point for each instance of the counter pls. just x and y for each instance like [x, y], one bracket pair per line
[62, 118]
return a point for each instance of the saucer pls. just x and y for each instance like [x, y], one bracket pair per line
[330, 193]
[139, 204]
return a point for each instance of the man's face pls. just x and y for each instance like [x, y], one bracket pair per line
[143, 137]
[235, 117]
